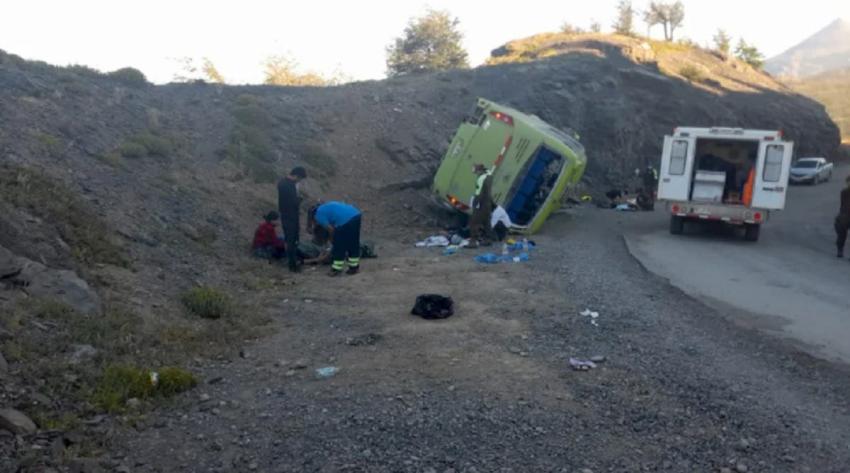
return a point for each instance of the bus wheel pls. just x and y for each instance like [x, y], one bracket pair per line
[677, 225]
[751, 231]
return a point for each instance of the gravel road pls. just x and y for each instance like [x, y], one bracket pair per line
[683, 387]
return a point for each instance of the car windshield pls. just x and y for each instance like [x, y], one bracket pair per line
[806, 164]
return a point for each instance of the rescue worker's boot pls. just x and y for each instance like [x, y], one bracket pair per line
[336, 268]
[353, 266]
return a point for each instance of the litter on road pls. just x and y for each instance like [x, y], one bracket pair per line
[433, 306]
[582, 365]
[326, 372]
[492, 258]
[593, 316]
[432, 241]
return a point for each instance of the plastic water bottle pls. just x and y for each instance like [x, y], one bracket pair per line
[525, 244]
[326, 372]
[504, 248]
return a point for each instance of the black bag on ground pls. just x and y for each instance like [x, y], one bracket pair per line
[433, 306]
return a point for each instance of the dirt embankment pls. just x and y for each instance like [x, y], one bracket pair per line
[132, 194]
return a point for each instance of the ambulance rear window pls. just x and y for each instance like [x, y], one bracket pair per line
[678, 157]
[773, 163]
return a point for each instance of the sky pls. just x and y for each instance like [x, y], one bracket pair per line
[328, 36]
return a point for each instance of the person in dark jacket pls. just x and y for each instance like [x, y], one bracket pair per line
[266, 243]
[842, 221]
[289, 205]
[342, 223]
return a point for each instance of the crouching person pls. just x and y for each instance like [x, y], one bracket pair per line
[267, 244]
[342, 223]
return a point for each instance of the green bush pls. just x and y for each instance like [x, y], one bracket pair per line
[251, 144]
[692, 73]
[319, 160]
[146, 144]
[51, 144]
[51, 200]
[122, 382]
[155, 145]
[131, 149]
[175, 380]
[130, 77]
[207, 302]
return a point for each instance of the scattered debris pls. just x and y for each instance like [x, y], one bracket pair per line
[326, 372]
[432, 241]
[492, 258]
[593, 316]
[582, 365]
[433, 306]
[598, 359]
[367, 339]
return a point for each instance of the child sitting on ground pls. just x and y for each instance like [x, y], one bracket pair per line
[267, 244]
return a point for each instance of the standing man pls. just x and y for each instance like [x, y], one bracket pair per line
[342, 223]
[842, 221]
[482, 206]
[289, 205]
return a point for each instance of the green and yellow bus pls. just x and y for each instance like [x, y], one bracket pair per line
[532, 163]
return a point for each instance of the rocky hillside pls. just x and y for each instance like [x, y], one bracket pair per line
[833, 90]
[117, 197]
[827, 50]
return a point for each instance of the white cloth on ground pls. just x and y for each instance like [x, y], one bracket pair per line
[432, 241]
[500, 215]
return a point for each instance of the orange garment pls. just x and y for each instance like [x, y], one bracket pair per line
[748, 188]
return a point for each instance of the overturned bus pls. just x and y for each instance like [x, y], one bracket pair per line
[532, 163]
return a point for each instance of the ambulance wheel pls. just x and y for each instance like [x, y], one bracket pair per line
[751, 231]
[677, 225]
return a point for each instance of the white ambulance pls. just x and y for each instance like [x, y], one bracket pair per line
[731, 175]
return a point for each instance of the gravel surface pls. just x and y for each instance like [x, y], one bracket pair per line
[681, 387]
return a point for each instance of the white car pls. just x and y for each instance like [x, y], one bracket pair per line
[810, 171]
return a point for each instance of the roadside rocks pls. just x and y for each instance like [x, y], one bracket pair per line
[16, 422]
[41, 281]
[9, 264]
[82, 353]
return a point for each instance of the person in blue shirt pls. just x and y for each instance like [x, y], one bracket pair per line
[342, 223]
